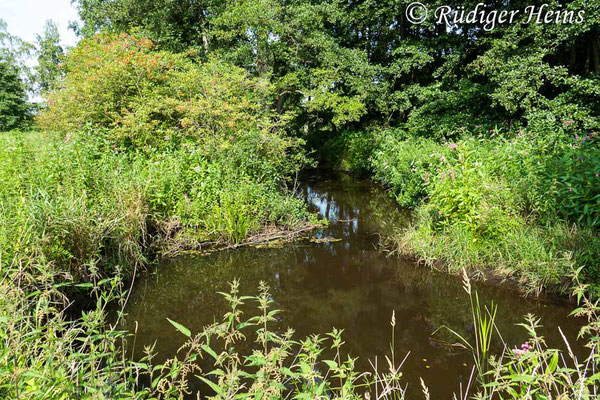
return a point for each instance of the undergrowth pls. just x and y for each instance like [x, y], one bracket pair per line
[524, 204]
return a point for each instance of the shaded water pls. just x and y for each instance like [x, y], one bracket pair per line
[347, 284]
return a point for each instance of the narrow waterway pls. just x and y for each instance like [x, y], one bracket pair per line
[346, 283]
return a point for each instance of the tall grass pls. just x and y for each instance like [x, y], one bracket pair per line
[521, 204]
[78, 204]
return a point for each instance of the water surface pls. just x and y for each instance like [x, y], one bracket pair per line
[347, 283]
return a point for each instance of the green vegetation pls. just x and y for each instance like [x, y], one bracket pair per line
[50, 56]
[110, 193]
[15, 110]
[524, 204]
[177, 125]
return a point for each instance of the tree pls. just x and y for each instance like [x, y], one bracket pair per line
[15, 52]
[49, 56]
[15, 111]
[14, 108]
[341, 64]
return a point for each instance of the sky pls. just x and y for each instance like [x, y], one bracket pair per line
[25, 18]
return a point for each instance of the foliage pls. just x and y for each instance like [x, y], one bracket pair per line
[15, 112]
[79, 203]
[45, 355]
[506, 202]
[246, 356]
[338, 64]
[49, 57]
[535, 371]
[15, 52]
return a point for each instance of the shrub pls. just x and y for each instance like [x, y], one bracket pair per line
[519, 202]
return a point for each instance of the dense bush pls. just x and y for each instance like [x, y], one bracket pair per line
[80, 203]
[520, 202]
[150, 149]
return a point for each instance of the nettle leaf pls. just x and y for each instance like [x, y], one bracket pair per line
[180, 328]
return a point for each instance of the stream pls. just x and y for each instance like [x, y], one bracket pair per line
[346, 283]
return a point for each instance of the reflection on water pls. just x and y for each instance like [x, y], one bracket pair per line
[347, 284]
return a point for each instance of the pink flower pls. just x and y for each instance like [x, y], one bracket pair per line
[167, 137]
[439, 213]
[495, 149]
[453, 145]
[519, 352]
[597, 175]
[570, 189]
[567, 123]
[525, 347]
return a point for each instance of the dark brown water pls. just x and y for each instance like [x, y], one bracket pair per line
[347, 284]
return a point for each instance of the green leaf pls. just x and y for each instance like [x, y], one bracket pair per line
[212, 385]
[553, 363]
[180, 328]
[210, 351]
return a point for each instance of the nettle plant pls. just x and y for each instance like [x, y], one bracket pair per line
[274, 366]
[538, 372]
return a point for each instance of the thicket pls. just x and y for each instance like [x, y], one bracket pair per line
[143, 149]
[524, 204]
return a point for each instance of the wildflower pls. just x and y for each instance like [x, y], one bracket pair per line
[525, 347]
[596, 174]
[570, 189]
[495, 149]
[167, 137]
[439, 213]
[519, 352]
[452, 145]
[568, 123]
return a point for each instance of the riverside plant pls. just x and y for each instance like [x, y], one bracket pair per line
[275, 365]
[44, 354]
[483, 320]
[533, 371]
[537, 372]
